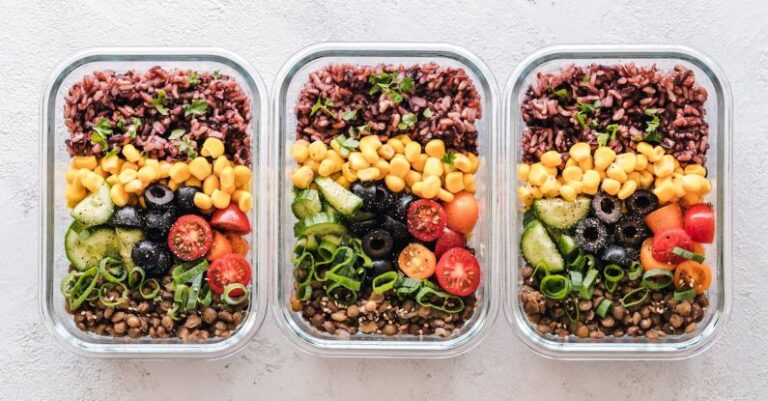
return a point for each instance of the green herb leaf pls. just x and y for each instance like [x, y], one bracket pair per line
[385, 82]
[323, 105]
[101, 130]
[653, 137]
[562, 93]
[588, 107]
[613, 129]
[133, 128]
[186, 146]
[579, 116]
[113, 152]
[362, 129]
[407, 122]
[651, 111]
[602, 138]
[449, 157]
[586, 78]
[405, 85]
[177, 133]
[348, 115]
[158, 102]
[216, 74]
[120, 124]
[198, 107]
[427, 113]
[193, 78]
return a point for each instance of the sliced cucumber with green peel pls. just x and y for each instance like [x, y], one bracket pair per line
[341, 199]
[126, 239]
[538, 248]
[560, 213]
[306, 204]
[320, 224]
[96, 208]
[85, 247]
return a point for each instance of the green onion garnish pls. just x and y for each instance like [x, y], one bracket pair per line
[384, 282]
[576, 280]
[635, 297]
[657, 279]
[571, 309]
[110, 286]
[604, 307]
[555, 286]
[113, 270]
[229, 300]
[154, 287]
[683, 294]
[635, 270]
[686, 254]
[613, 275]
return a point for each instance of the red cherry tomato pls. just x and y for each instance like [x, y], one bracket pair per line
[231, 219]
[665, 241]
[449, 239]
[219, 247]
[426, 220]
[458, 272]
[462, 212]
[229, 269]
[700, 223]
[190, 237]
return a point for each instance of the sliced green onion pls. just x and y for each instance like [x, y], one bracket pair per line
[341, 294]
[109, 286]
[567, 245]
[227, 298]
[686, 254]
[589, 261]
[113, 270]
[326, 249]
[589, 279]
[683, 294]
[206, 299]
[657, 279]
[68, 283]
[635, 297]
[571, 309]
[384, 282]
[181, 276]
[586, 292]
[578, 262]
[540, 266]
[304, 292]
[407, 286]
[449, 303]
[635, 270]
[133, 282]
[613, 275]
[80, 295]
[180, 294]
[348, 282]
[555, 286]
[576, 280]
[604, 307]
[194, 292]
[172, 313]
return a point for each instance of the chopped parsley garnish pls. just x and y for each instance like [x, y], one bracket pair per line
[198, 107]
[581, 118]
[449, 157]
[177, 133]
[386, 82]
[588, 107]
[609, 135]
[349, 115]
[427, 113]
[101, 130]
[158, 102]
[322, 105]
[602, 138]
[193, 78]
[347, 143]
[188, 147]
[112, 152]
[562, 93]
[216, 74]
[651, 133]
[407, 122]
[133, 128]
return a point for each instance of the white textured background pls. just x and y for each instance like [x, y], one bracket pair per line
[36, 35]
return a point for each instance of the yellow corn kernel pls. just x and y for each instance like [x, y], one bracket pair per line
[370, 142]
[212, 147]
[404, 138]
[235, 196]
[522, 171]
[317, 150]
[75, 193]
[245, 202]
[587, 164]
[448, 168]
[469, 183]
[611, 186]
[357, 161]
[474, 162]
[462, 162]
[697, 169]
[202, 201]
[576, 185]
[646, 179]
[348, 173]
[641, 162]
[665, 192]
[173, 185]
[412, 151]
[383, 167]
[435, 148]
[397, 145]
[412, 178]
[193, 182]
[179, 172]
[113, 179]
[445, 196]
[706, 187]
[535, 191]
[312, 165]
[691, 199]
[134, 186]
[100, 171]
[664, 167]
[210, 184]
[634, 176]
[220, 163]
[335, 157]
[370, 155]
[127, 176]
[242, 176]
[131, 153]
[571, 162]
[300, 151]
[147, 174]
[572, 173]
[627, 161]
[551, 187]
[524, 194]
[399, 166]
[71, 174]
[604, 156]
[386, 152]
[580, 151]
[431, 187]
[658, 153]
[691, 183]
[200, 168]
[220, 199]
[616, 172]
[88, 162]
[454, 182]
[164, 169]
[627, 189]
[538, 174]
[419, 163]
[394, 183]
[551, 158]
[433, 166]
[326, 168]
[302, 177]
[92, 181]
[118, 195]
[368, 174]
[602, 174]
[567, 192]
[645, 149]
[417, 189]
[679, 190]
[129, 166]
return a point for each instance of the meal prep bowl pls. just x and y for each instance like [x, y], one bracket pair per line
[718, 165]
[55, 216]
[287, 86]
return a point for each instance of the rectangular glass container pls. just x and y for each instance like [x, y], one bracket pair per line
[55, 216]
[287, 86]
[718, 165]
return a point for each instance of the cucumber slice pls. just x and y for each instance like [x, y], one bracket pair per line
[538, 248]
[567, 245]
[85, 247]
[344, 201]
[320, 224]
[96, 208]
[306, 204]
[560, 213]
[126, 239]
[312, 243]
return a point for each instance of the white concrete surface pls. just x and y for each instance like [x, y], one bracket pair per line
[36, 35]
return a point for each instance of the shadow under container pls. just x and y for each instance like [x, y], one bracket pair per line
[718, 164]
[55, 217]
[288, 85]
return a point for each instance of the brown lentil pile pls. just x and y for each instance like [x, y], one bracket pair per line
[627, 95]
[658, 316]
[151, 106]
[139, 317]
[385, 314]
[426, 101]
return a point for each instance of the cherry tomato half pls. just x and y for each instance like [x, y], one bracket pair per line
[665, 241]
[462, 212]
[231, 219]
[694, 275]
[458, 272]
[229, 269]
[219, 247]
[239, 245]
[664, 218]
[700, 223]
[426, 220]
[647, 260]
[416, 261]
[190, 237]
[449, 239]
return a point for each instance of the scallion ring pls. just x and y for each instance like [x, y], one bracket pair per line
[87, 279]
[555, 286]
[635, 270]
[683, 294]
[112, 270]
[68, 283]
[605, 306]
[109, 287]
[571, 309]
[657, 279]
[589, 261]
[613, 275]
[577, 280]
[384, 282]
[304, 292]
[635, 297]
[206, 299]
[227, 298]
[153, 285]
[686, 254]
[589, 279]
[134, 282]
[578, 262]
[172, 313]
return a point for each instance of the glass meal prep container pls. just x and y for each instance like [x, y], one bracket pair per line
[55, 216]
[718, 165]
[287, 87]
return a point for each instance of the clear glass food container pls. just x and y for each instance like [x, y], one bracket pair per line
[55, 217]
[287, 86]
[718, 165]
